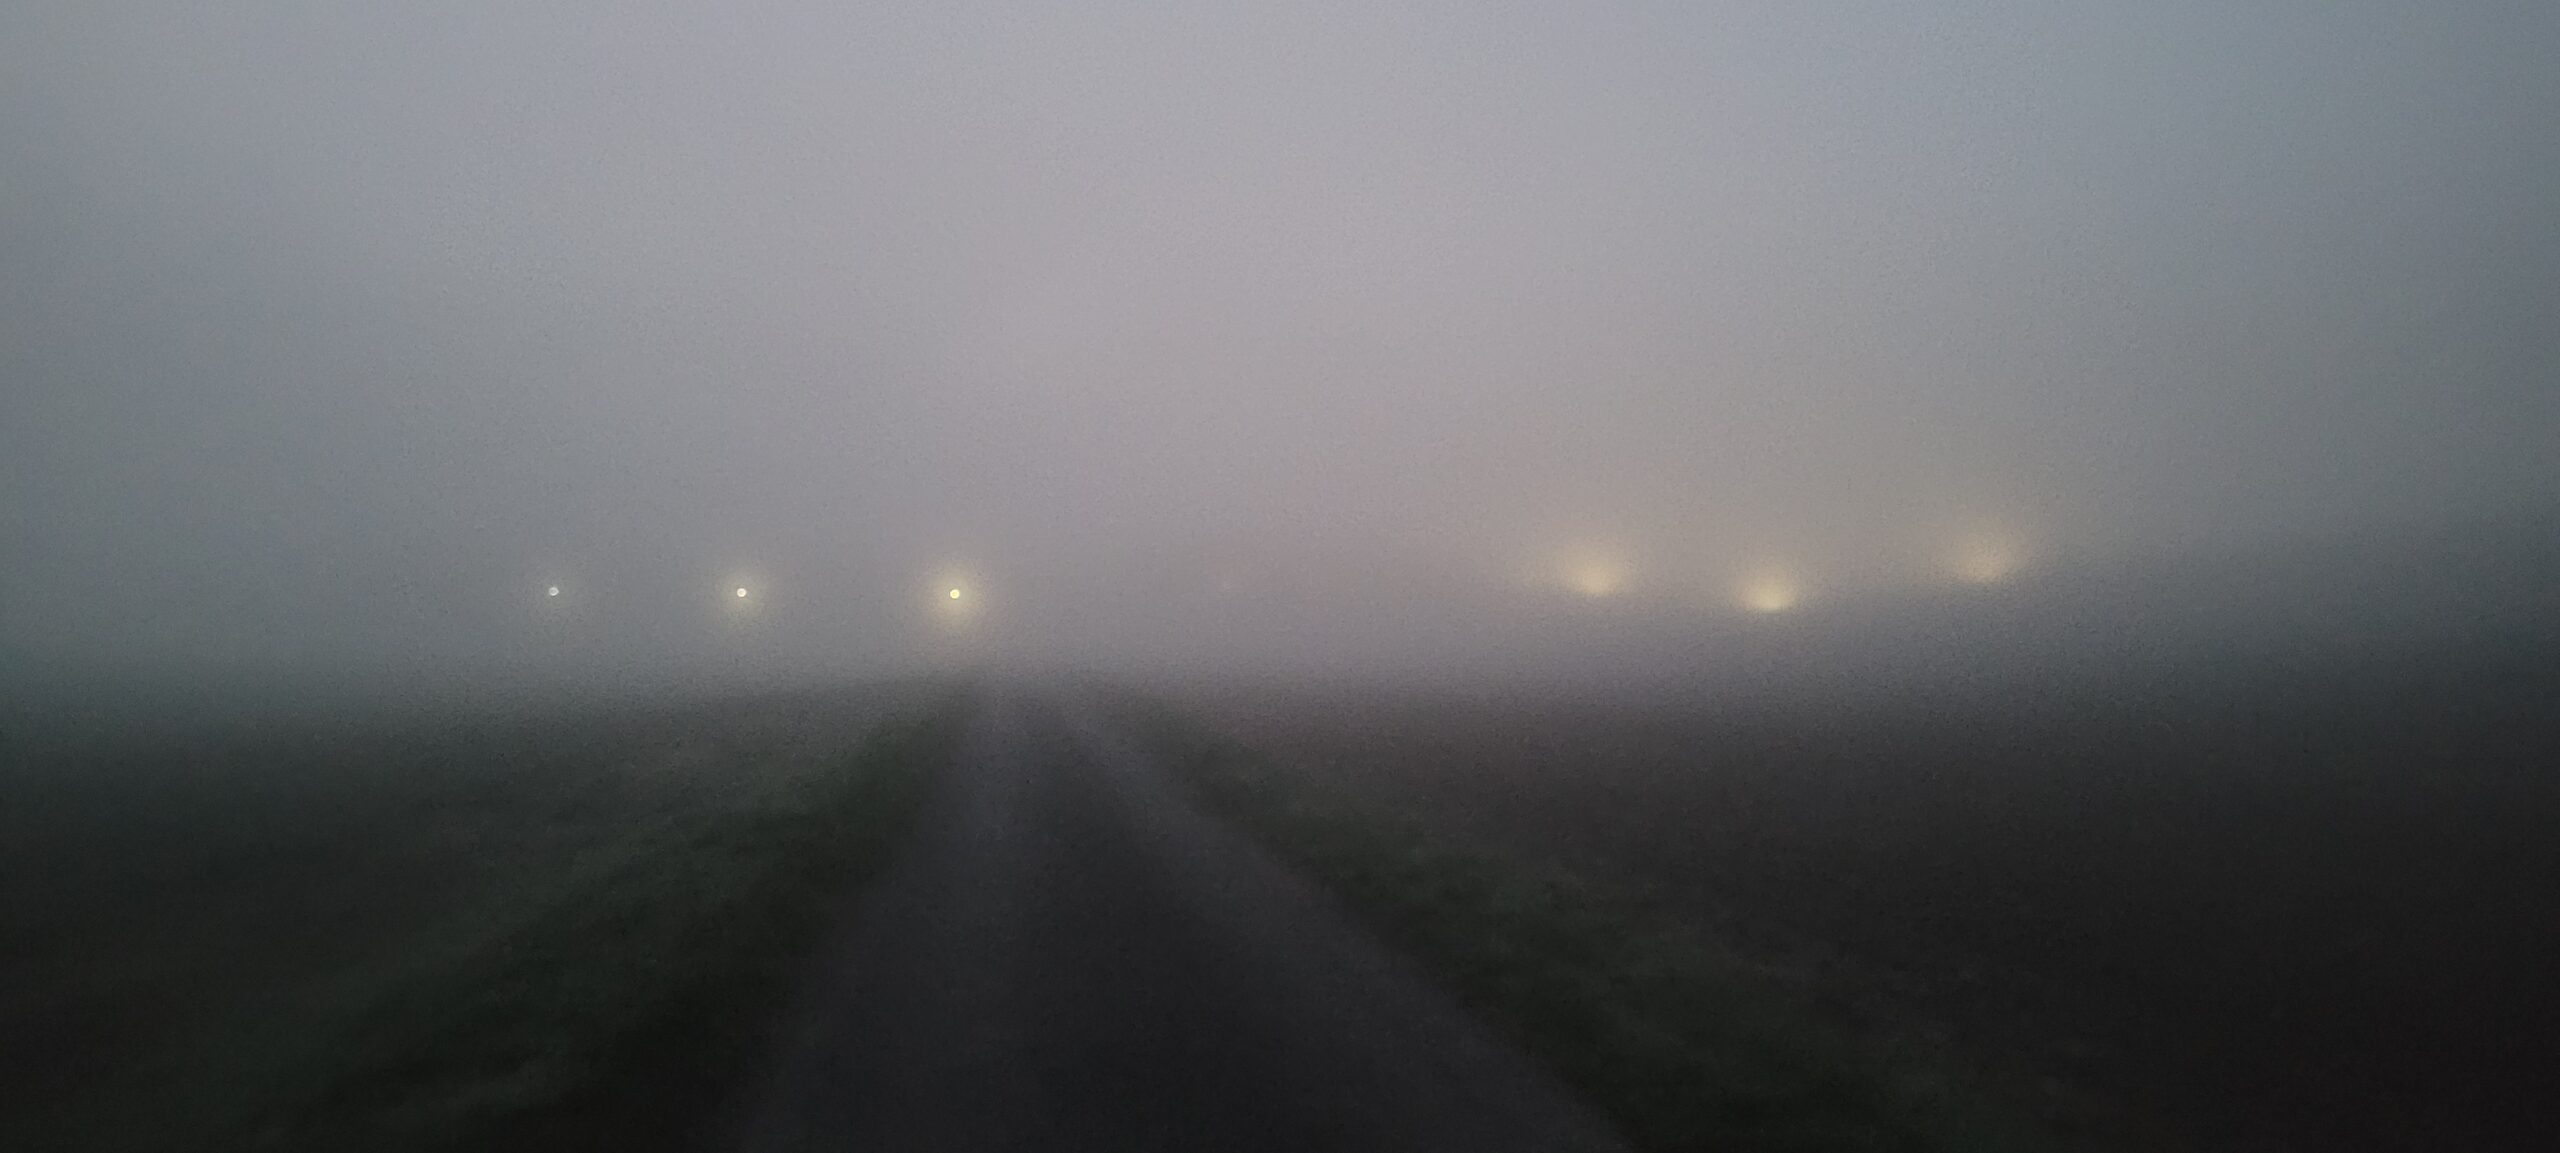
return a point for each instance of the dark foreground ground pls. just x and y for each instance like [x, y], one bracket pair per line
[1072, 957]
[563, 931]
[2307, 908]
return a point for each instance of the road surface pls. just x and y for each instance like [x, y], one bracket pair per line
[1071, 957]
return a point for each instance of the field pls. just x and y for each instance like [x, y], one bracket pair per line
[2284, 908]
[2266, 906]
[431, 931]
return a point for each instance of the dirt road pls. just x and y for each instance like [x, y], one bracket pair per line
[1071, 957]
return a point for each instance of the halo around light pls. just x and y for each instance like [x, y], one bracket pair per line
[1590, 571]
[1769, 593]
[1986, 559]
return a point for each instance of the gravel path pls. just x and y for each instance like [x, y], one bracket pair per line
[1072, 957]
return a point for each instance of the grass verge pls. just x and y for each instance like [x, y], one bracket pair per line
[569, 932]
[618, 1011]
[1684, 1044]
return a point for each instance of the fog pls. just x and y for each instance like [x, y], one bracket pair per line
[334, 338]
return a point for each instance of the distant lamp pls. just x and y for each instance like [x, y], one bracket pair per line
[1597, 574]
[1597, 581]
[1985, 561]
[1770, 593]
[742, 593]
[955, 594]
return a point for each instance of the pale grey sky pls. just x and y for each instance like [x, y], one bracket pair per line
[329, 331]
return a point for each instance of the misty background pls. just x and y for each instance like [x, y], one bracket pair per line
[333, 337]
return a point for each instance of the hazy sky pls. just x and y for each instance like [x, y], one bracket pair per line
[334, 331]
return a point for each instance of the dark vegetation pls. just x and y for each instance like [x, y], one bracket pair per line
[571, 933]
[1683, 1041]
[2304, 907]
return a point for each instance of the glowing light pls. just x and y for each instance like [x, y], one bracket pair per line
[958, 599]
[1769, 593]
[553, 591]
[1596, 581]
[1985, 560]
[1596, 574]
[742, 593]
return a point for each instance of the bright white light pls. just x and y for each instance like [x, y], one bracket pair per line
[553, 591]
[742, 594]
[957, 597]
[1769, 593]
